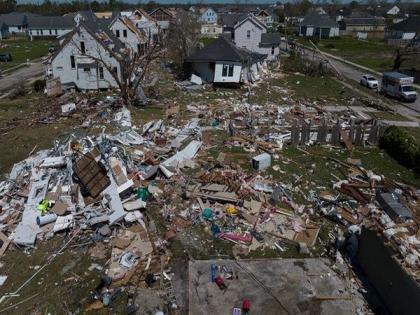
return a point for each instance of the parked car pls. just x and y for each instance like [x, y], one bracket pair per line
[369, 81]
[6, 57]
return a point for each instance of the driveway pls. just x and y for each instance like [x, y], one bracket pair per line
[9, 81]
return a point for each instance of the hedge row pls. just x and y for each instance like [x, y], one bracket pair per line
[402, 147]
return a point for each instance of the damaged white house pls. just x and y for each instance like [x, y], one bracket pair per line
[127, 32]
[222, 63]
[81, 58]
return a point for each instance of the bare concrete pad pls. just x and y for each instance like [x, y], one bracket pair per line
[273, 286]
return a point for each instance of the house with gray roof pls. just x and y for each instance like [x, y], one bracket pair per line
[222, 63]
[16, 22]
[40, 26]
[364, 23]
[405, 30]
[318, 24]
[251, 33]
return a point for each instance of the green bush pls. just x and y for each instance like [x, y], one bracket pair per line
[401, 147]
[39, 85]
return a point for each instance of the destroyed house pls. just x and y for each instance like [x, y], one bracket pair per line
[81, 58]
[222, 63]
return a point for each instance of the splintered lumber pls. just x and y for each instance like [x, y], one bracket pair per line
[354, 192]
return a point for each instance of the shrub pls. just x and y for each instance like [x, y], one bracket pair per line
[39, 85]
[401, 147]
[329, 46]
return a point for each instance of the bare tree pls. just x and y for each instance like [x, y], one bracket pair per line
[133, 65]
[183, 37]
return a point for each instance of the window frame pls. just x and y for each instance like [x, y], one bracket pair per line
[72, 62]
[101, 73]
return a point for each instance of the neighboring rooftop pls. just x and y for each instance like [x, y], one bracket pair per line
[53, 22]
[317, 19]
[270, 39]
[411, 24]
[15, 18]
[363, 18]
[230, 19]
[221, 49]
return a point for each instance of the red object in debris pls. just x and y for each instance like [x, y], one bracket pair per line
[246, 305]
[219, 281]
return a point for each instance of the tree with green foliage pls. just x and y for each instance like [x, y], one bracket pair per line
[401, 147]
[7, 6]
[354, 4]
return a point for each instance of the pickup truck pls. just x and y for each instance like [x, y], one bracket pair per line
[399, 85]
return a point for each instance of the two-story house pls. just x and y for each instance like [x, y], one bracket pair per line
[251, 33]
[207, 16]
[265, 17]
[80, 61]
[132, 37]
[144, 22]
[163, 18]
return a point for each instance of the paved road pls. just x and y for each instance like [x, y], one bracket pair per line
[354, 74]
[9, 81]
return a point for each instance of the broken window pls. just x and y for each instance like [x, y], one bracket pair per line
[101, 73]
[272, 50]
[117, 33]
[82, 47]
[86, 69]
[248, 34]
[125, 33]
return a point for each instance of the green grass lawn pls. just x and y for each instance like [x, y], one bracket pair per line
[314, 87]
[372, 53]
[23, 49]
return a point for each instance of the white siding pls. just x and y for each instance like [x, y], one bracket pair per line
[242, 40]
[47, 32]
[15, 29]
[334, 32]
[211, 30]
[408, 35]
[218, 72]
[85, 80]
[209, 16]
[268, 51]
[131, 40]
